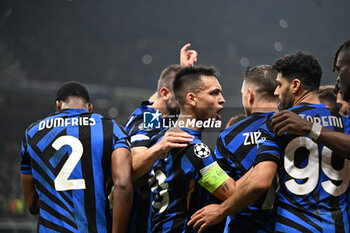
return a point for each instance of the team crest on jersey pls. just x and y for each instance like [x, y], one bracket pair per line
[201, 150]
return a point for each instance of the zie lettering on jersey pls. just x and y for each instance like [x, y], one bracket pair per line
[64, 122]
[251, 138]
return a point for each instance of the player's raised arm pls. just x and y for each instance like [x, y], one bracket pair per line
[122, 200]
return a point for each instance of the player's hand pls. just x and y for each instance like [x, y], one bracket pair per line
[205, 217]
[287, 121]
[188, 57]
[233, 120]
[171, 140]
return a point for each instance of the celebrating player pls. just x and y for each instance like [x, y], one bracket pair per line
[67, 162]
[313, 180]
[143, 155]
[180, 175]
[236, 147]
[287, 121]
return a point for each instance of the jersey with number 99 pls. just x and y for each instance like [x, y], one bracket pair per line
[313, 181]
[69, 156]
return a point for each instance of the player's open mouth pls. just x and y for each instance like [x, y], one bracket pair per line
[218, 116]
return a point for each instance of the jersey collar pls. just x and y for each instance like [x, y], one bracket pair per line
[73, 110]
[193, 132]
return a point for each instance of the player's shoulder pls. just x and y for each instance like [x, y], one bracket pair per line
[157, 136]
[308, 107]
[47, 117]
[199, 148]
[249, 123]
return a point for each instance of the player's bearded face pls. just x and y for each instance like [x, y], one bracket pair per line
[172, 106]
[284, 93]
[285, 98]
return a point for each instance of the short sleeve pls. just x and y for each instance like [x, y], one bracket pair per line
[25, 165]
[143, 137]
[121, 139]
[208, 172]
[140, 136]
[268, 148]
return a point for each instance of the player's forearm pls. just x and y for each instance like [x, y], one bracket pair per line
[336, 141]
[255, 184]
[247, 193]
[34, 209]
[122, 202]
[142, 162]
[30, 194]
[33, 203]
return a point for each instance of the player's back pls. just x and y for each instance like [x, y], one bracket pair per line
[236, 151]
[69, 156]
[313, 180]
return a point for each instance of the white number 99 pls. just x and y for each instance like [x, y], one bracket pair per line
[311, 170]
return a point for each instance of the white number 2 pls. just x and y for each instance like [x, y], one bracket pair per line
[311, 170]
[61, 182]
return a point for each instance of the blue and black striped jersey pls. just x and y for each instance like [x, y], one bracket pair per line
[313, 181]
[139, 136]
[69, 155]
[177, 184]
[139, 221]
[235, 151]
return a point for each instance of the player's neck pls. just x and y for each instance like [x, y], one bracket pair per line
[265, 106]
[73, 106]
[310, 97]
[160, 106]
[187, 116]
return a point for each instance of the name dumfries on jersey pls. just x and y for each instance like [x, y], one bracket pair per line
[64, 122]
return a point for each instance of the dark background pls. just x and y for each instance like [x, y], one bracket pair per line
[119, 48]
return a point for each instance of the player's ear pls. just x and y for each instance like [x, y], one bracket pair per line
[164, 93]
[296, 85]
[191, 99]
[58, 105]
[251, 96]
[89, 107]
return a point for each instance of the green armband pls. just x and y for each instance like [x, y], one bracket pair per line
[212, 179]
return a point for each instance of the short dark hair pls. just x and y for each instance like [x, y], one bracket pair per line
[166, 78]
[328, 96]
[189, 79]
[72, 89]
[327, 93]
[263, 77]
[344, 47]
[302, 66]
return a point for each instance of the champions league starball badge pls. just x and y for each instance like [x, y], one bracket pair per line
[201, 150]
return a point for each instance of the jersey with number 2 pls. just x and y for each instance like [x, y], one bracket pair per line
[69, 156]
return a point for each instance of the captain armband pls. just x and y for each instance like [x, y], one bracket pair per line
[213, 177]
